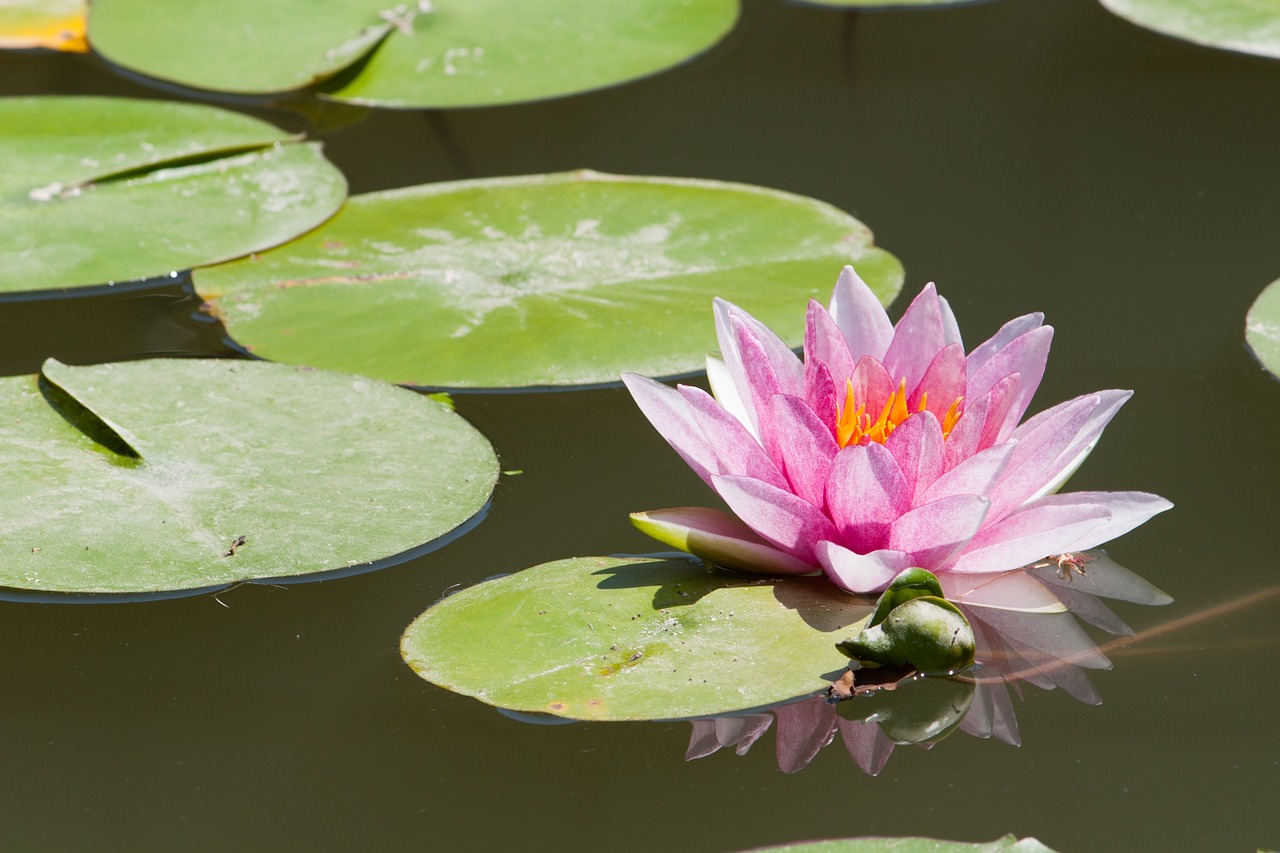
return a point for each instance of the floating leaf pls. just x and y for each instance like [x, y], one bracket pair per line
[1262, 327]
[563, 279]
[110, 189]
[1007, 844]
[53, 24]
[444, 53]
[609, 638]
[1247, 26]
[188, 474]
[868, 5]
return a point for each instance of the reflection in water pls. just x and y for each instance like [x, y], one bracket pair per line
[1045, 648]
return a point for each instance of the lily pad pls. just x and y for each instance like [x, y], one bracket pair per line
[97, 190]
[1247, 26]
[612, 638]
[871, 5]
[194, 473]
[51, 24]
[444, 53]
[1262, 328]
[1007, 844]
[546, 280]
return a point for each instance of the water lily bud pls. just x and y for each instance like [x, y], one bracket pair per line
[927, 633]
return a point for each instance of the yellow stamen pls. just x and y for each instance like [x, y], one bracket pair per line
[854, 425]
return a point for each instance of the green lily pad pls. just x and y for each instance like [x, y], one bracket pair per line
[612, 638]
[1247, 26]
[870, 5]
[1007, 844]
[192, 473]
[1262, 328]
[445, 53]
[547, 280]
[97, 190]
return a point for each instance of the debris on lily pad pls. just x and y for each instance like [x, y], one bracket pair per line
[186, 474]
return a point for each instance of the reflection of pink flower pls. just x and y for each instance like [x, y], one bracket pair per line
[886, 447]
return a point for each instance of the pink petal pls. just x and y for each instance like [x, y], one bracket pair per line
[867, 743]
[736, 450]
[1103, 576]
[976, 475]
[872, 385]
[917, 445]
[821, 394]
[1010, 331]
[950, 328]
[725, 390]
[860, 317]
[861, 572]
[709, 736]
[1026, 356]
[943, 381]
[719, 537]
[1028, 535]
[804, 728]
[1128, 510]
[1105, 406]
[917, 338]
[1056, 635]
[1090, 609]
[981, 421]
[824, 344]
[789, 522]
[670, 416]
[934, 533]
[806, 446]
[1014, 590]
[865, 492]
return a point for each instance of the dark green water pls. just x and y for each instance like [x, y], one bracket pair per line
[1026, 155]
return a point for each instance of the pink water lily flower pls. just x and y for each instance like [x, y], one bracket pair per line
[886, 447]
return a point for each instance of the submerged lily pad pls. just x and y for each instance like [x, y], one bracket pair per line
[193, 473]
[610, 638]
[52, 24]
[1262, 328]
[547, 280]
[443, 53]
[96, 190]
[1247, 26]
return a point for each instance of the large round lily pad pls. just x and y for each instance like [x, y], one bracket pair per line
[608, 638]
[1262, 327]
[547, 280]
[96, 190]
[1247, 26]
[187, 474]
[445, 53]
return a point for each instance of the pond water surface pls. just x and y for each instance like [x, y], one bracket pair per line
[1026, 155]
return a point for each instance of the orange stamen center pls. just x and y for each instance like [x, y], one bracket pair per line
[855, 426]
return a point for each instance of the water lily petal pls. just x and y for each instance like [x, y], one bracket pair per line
[1026, 356]
[736, 451]
[1055, 634]
[789, 522]
[670, 416]
[867, 743]
[824, 343]
[865, 493]
[950, 328]
[821, 394]
[933, 533]
[860, 317]
[980, 424]
[1009, 332]
[861, 572]
[725, 390]
[806, 446]
[1079, 448]
[917, 338]
[708, 736]
[1027, 535]
[1014, 590]
[719, 537]
[917, 445]
[943, 382]
[1128, 510]
[1089, 608]
[803, 729]
[976, 475]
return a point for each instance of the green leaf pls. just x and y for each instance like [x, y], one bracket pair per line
[869, 5]
[611, 638]
[441, 54]
[1007, 844]
[1247, 26]
[152, 187]
[142, 476]
[547, 280]
[1262, 328]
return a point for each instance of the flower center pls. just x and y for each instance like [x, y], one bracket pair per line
[855, 426]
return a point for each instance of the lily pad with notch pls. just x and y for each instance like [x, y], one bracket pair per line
[195, 473]
[545, 280]
[99, 190]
